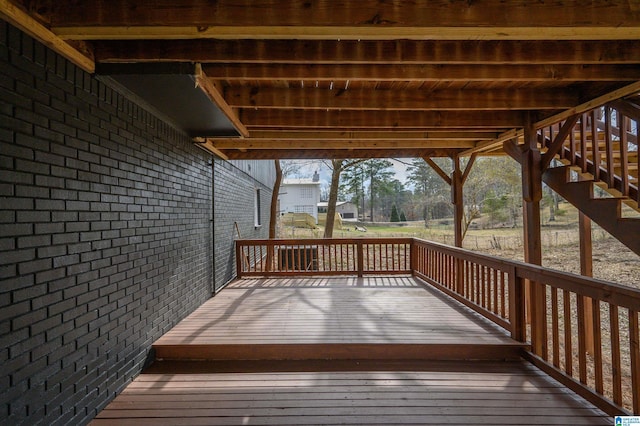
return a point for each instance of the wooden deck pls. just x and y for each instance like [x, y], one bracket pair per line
[334, 318]
[341, 351]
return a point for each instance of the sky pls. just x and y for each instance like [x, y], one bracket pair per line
[308, 167]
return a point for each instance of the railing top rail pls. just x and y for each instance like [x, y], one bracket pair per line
[327, 241]
[618, 294]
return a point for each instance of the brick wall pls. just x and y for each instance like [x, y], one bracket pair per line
[105, 234]
[234, 195]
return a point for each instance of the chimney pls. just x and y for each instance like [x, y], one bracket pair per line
[316, 176]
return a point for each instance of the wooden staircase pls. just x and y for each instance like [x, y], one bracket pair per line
[606, 212]
[601, 151]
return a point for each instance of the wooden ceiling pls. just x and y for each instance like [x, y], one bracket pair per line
[366, 78]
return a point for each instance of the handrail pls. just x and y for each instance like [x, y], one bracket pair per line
[566, 318]
[602, 146]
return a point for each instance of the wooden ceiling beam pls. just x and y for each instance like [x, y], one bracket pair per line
[424, 72]
[349, 144]
[410, 100]
[405, 52]
[77, 53]
[285, 154]
[351, 119]
[329, 135]
[284, 32]
[213, 91]
[324, 19]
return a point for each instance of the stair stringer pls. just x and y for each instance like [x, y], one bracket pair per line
[606, 212]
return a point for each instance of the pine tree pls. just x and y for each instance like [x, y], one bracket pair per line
[394, 214]
[403, 218]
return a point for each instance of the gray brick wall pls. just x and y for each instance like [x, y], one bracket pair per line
[234, 195]
[105, 234]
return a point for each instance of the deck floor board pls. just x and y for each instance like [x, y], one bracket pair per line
[387, 317]
[332, 310]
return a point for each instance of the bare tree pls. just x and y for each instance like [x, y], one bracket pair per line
[338, 166]
[274, 200]
[273, 219]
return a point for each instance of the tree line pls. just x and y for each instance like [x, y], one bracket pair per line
[492, 189]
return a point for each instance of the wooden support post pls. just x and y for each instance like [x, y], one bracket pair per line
[458, 218]
[532, 194]
[457, 200]
[586, 269]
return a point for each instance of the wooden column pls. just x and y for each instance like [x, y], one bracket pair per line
[457, 200]
[532, 194]
[586, 269]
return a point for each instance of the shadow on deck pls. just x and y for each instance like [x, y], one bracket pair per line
[344, 350]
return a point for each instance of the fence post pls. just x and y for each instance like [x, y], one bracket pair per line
[517, 307]
[360, 256]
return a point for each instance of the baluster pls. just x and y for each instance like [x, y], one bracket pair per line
[583, 142]
[597, 346]
[555, 329]
[494, 290]
[624, 154]
[615, 354]
[572, 147]
[582, 347]
[502, 295]
[595, 145]
[609, 146]
[568, 349]
[634, 347]
[386, 254]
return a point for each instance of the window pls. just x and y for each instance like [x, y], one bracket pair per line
[257, 210]
[306, 193]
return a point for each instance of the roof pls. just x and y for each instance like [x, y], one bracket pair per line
[322, 79]
[326, 204]
[299, 182]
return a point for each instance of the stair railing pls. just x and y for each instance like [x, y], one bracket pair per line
[603, 143]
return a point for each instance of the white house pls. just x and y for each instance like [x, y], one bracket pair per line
[300, 196]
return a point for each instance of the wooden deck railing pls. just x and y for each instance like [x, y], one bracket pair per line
[324, 257]
[567, 318]
[584, 332]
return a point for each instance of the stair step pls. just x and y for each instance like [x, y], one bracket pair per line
[340, 351]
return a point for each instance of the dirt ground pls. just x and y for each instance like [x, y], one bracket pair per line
[612, 261]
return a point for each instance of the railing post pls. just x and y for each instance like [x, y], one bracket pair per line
[517, 306]
[360, 258]
[238, 260]
[412, 256]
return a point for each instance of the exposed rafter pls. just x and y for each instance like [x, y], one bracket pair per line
[424, 72]
[317, 119]
[402, 52]
[412, 100]
[349, 144]
[270, 154]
